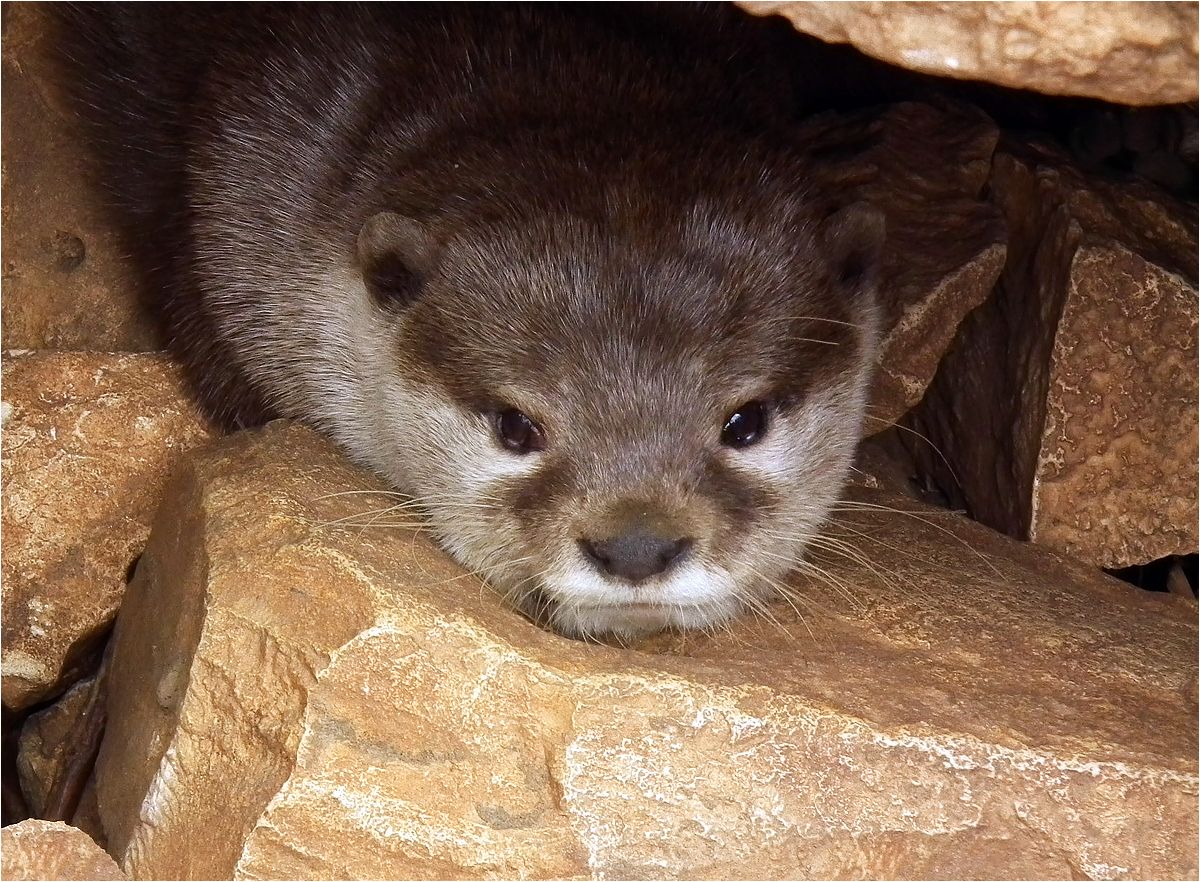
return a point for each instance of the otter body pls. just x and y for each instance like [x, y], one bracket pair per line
[553, 271]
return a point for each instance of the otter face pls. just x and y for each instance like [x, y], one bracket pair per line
[624, 432]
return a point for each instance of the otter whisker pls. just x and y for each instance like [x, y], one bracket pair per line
[832, 545]
[850, 505]
[817, 318]
[778, 588]
[809, 568]
[945, 460]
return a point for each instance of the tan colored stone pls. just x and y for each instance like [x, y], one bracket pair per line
[1129, 53]
[88, 439]
[1116, 477]
[1080, 372]
[52, 850]
[296, 696]
[67, 281]
[926, 168]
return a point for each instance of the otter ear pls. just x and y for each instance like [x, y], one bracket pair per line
[853, 239]
[395, 253]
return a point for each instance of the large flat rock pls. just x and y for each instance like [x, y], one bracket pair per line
[1128, 53]
[298, 694]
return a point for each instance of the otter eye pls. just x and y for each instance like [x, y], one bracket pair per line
[746, 425]
[518, 432]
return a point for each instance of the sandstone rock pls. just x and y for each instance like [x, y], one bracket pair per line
[88, 439]
[67, 282]
[47, 747]
[295, 695]
[1128, 53]
[926, 168]
[1080, 372]
[52, 749]
[52, 850]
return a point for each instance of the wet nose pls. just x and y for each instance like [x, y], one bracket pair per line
[636, 555]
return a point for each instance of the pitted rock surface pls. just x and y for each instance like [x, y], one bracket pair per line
[1116, 474]
[88, 439]
[1127, 53]
[68, 283]
[296, 693]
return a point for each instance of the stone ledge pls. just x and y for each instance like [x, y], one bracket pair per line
[321, 699]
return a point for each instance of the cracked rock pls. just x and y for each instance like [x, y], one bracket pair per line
[1066, 410]
[88, 439]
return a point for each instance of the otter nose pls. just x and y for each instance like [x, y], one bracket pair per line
[636, 555]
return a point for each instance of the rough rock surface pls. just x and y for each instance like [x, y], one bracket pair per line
[938, 266]
[46, 745]
[295, 695]
[67, 283]
[1079, 372]
[52, 850]
[88, 439]
[1128, 53]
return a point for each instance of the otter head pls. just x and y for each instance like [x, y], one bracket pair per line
[623, 421]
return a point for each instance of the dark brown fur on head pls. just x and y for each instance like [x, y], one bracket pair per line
[418, 228]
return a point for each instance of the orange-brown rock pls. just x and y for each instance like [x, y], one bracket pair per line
[48, 745]
[1079, 372]
[297, 695]
[54, 748]
[1128, 53]
[88, 439]
[67, 281]
[938, 263]
[52, 850]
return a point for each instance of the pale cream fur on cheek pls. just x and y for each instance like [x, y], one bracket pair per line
[448, 459]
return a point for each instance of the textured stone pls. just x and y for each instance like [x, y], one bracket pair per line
[295, 695]
[1129, 53]
[46, 745]
[67, 282]
[52, 850]
[1080, 372]
[88, 439]
[939, 263]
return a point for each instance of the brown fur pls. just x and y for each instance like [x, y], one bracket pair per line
[397, 222]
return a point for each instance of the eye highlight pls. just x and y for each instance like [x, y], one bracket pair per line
[745, 426]
[518, 432]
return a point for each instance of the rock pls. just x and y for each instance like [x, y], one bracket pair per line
[88, 439]
[1127, 53]
[297, 696]
[1080, 372]
[47, 747]
[938, 264]
[52, 850]
[67, 281]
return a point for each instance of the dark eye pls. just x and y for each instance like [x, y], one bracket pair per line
[746, 425]
[518, 432]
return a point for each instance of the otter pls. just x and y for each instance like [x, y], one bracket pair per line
[554, 271]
